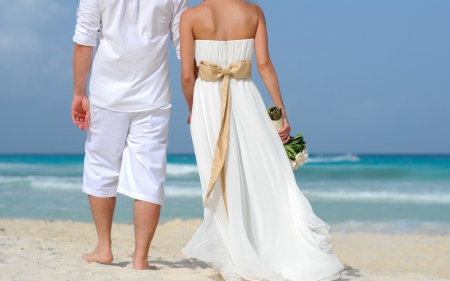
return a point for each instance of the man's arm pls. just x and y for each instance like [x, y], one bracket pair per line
[82, 59]
[87, 33]
[180, 7]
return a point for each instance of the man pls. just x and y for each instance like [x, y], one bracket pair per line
[127, 113]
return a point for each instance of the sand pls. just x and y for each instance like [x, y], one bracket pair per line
[46, 250]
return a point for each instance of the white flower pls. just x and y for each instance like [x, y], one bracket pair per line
[294, 165]
[301, 158]
[278, 123]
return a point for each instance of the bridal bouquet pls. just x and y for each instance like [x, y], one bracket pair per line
[296, 147]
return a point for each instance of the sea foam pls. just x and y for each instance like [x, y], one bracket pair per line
[393, 227]
[41, 182]
[193, 189]
[379, 196]
[334, 159]
[177, 170]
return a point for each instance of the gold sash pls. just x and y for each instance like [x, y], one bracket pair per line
[213, 72]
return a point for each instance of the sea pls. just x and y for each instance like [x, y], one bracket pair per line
[394, 194]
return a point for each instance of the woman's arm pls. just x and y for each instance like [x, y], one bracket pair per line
[187, 50]
[267, 72]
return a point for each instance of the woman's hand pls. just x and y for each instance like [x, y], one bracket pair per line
[285, 132]
[189, 119]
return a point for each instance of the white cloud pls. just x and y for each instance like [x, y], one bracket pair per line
[35, 40]
[30, 12]
[22, 42]
[23, 23]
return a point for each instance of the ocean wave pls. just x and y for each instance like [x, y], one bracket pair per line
[42, 182]
[393, 227]
[181, 170]
[23, 165]
[18, 169]
[192, 188]
[15, 166]
[177, 170]
[334, 159]
[8, 165]
[23, 170]
[174, 191]
[379, 196]
[364, 196]
[184, 189]
[58, 183]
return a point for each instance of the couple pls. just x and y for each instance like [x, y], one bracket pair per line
[257, 224]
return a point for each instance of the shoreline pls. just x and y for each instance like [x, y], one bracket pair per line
[418, 228]
[51, 250]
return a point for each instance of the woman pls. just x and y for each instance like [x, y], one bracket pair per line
[257, 224]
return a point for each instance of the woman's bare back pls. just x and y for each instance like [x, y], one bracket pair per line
[224, 20]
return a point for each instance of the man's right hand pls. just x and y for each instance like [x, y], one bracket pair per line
[82, 59]
[80, 112]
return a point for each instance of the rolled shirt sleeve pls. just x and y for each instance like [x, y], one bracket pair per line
[88, 28]
[180, 7]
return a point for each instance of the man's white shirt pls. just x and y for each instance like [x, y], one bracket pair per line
[130, 72]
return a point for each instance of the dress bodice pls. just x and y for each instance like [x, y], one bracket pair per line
[223, 53]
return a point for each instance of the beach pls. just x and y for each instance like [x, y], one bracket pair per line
[52, 250]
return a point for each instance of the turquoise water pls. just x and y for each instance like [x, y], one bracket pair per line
[368, 193]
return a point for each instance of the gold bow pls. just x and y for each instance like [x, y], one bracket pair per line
[213, 72]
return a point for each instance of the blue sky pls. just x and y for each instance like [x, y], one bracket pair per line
[357, 76]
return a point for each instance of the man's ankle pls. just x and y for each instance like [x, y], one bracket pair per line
[104, 247]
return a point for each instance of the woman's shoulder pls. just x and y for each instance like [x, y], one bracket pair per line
[207, 7]
[197, 10]
[201, 7]
[253, 10]
[252, 7]
[256, 9]
[190, 14]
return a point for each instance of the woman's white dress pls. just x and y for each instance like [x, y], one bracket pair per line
[270, 231]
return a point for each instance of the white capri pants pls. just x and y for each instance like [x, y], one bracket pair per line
[126, 153]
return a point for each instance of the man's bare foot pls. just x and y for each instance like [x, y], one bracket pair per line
[142, 265]
[99, 256]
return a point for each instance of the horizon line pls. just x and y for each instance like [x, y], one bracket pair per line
[193, 154]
